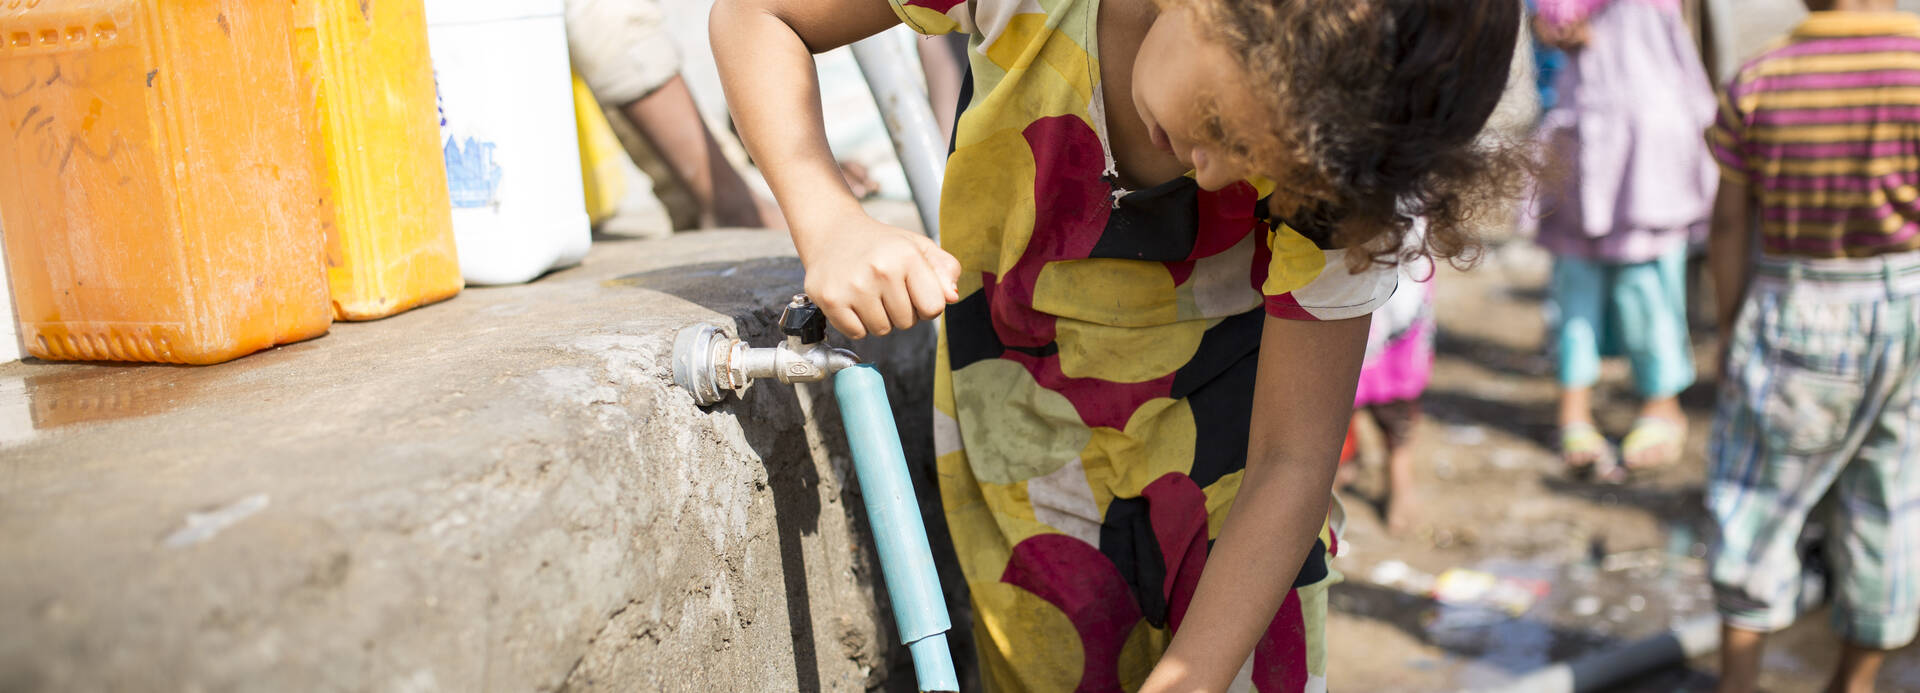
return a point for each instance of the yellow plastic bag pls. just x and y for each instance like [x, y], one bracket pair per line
[600, 154]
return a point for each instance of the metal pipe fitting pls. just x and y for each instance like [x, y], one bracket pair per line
[709, 363]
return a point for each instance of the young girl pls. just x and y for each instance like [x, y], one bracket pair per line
[1398, 366]
[1632, 103]
[1163, 227]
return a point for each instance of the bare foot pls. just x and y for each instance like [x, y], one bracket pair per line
[1403, 512]
[1403, 503]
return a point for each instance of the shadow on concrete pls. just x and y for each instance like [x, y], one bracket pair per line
[1492, 355]
[794, 479]
[720, 286]
[1672, 505]
[1533, 422]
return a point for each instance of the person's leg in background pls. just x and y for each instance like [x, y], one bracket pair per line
[1874, 542]
[670, 122]
[1758, 499]
[1398, 420]
[1651, 301]
[1816, 403]
[1578, 292]
[622, 50]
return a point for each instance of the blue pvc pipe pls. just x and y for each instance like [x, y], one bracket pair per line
[906, 560]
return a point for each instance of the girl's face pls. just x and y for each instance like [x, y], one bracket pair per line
[1191, 95]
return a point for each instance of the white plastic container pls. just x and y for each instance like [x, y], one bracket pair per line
[507, 129]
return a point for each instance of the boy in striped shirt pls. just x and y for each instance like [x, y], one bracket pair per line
[1819, 143]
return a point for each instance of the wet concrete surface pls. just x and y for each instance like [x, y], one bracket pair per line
[1612, 564]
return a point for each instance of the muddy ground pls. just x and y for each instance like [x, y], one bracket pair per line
[1617, 563]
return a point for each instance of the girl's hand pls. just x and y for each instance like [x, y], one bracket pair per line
[871, 278]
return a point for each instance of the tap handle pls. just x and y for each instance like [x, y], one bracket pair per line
[803, 319]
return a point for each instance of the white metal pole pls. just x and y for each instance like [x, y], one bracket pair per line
[909, 120]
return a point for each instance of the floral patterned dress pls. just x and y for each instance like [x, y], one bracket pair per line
[1096, 379]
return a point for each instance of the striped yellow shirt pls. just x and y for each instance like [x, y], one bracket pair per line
[1825, 129]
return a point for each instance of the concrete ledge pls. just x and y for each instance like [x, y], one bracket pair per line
[499, 493]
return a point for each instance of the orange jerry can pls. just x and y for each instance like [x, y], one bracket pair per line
[390, 238]
[160, 196]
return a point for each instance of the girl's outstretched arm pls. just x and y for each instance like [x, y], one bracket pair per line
[867, 277]
[1301, 406]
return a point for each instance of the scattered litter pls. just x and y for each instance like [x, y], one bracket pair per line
[1581, 573]
[1586, 605]
[203, 526]
[1466, 435]
[1636, 603]
[1388, 573]
[1509, 459]
[1400, 576]
[1513, 596]
[1630, 560]
[1451, 619]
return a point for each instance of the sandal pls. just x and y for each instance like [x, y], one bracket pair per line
[1656, 436]
[1584, 449]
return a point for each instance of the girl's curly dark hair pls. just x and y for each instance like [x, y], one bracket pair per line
[1380, 107]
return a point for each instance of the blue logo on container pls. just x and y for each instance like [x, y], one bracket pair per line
[473, 178]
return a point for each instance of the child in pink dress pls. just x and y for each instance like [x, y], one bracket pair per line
[1630, 185]
[1398, 365]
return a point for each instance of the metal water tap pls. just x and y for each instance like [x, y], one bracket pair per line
[709, 364]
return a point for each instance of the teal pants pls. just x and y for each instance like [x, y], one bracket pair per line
[1638, 309]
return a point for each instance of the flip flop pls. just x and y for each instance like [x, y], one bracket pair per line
[1583, 448]
[1658, 435]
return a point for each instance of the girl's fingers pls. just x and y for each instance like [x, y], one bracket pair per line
[873, 315]
[845, 320]
[897, 302]
[944, 265]
[928, 291]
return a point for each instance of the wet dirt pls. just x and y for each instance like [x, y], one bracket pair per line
[1612, 564]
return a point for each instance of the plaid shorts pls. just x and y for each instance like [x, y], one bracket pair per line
[1820, 415]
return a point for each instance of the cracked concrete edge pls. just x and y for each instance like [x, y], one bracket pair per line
[499, 493]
